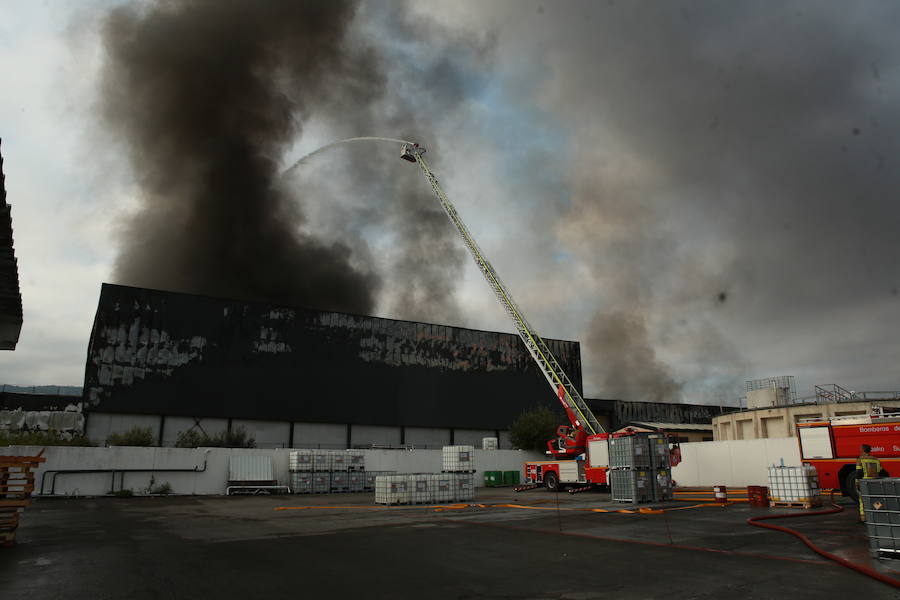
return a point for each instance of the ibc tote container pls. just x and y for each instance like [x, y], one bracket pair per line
[463, 486]
[321, 460]
[881, 502]
[631, 485]
[442, 488]
[659, 451]
[794, 484]
[458, 459]
[356, 460]
[301, 483]
[391, 489]
[340, 481]
[300, 460]
[339, 460]
[357, 481]
[321, 482]
[630, 451]
[419, 489]
[489, 443]
[662, 484]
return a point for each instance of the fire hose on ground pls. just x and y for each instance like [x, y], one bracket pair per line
[755, 521]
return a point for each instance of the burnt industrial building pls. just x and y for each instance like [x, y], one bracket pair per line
[299, 377]
[10, 295]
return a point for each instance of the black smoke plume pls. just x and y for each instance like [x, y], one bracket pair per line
[207, 96]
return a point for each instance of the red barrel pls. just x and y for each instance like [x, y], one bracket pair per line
[721, 493]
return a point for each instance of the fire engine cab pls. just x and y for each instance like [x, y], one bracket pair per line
[831, 445]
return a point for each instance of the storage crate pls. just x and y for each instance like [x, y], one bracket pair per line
[458, 459]
[510, 478]
[356, 460]
[881, 503]
[392, 489]
[463, 486]
[356, 480]
[321, 460]
[794, 484]
[659, 451]
[630, 451]
[301, 482]
[489, 443]
[340, 460]
[631, 485]
[419, 488]
[300, 460]
[340, 482]
[493, 478]
[662, 484]
[321, 482]
[369, 481]
[442, 488]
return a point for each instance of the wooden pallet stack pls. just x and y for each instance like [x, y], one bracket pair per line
[16, 486]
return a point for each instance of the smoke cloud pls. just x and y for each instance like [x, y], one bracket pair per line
[208, 96]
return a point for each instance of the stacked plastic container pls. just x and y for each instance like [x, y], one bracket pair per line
[424, 488]
[662, 470]
[881, 503]
[458, 459]
[327, 471]
[794, 484]
[639, 469]
[630, 469]
[489, 443]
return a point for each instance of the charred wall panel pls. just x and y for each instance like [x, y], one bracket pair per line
[179, 354]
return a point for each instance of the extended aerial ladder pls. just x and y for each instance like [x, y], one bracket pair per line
[572, 439]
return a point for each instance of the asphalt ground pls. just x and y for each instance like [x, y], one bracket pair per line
[548, 546]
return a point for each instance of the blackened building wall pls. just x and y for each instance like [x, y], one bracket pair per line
[162, 353]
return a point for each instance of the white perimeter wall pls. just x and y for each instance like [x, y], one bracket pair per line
[213, 479]
[733, 462]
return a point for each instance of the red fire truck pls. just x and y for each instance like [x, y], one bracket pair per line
[832, 446]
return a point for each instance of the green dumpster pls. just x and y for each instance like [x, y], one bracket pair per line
[510, 478]
[493, 478]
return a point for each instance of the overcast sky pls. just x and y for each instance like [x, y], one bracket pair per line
[700, 192]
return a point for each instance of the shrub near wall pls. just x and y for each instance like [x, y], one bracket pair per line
[136, 436]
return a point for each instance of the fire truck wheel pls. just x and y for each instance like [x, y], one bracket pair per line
[552, 482]
[850, 486]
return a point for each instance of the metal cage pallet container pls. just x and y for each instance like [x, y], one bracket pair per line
[356, 480]
[340, 482]
[419, 488]
[631, 485]
[301, 483]
[794, 485]
[370, 476]
[630, 451]
[458, 459]
[392, 489]
[662, 484]
[442, 487]
[321, 460]
[300, 460]
[881, 503]
[659, 450]
[463, 486]
[321, 483]
[356, 460]
[340, 460]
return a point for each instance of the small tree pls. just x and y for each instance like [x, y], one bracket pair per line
[136, 436]
[534, 428]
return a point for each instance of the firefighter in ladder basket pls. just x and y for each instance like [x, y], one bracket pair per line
[867, 467]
